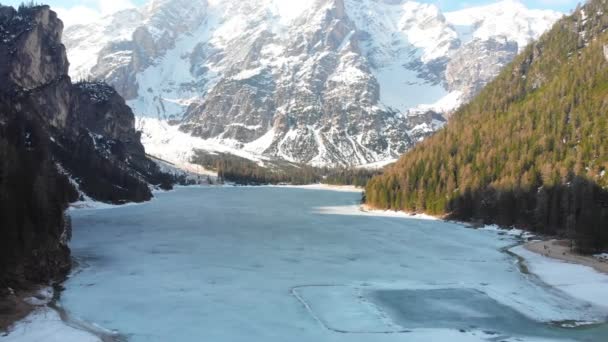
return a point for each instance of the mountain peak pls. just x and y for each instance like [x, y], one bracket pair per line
[510, 19]
[313, 81]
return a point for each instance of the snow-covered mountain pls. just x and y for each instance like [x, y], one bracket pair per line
[315, 81]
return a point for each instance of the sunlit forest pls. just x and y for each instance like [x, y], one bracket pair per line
[530, 151]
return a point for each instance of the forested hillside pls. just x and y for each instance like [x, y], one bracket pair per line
[531, 150]
[234, 169]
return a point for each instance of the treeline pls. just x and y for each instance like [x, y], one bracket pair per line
[243, 171]
[531, 150]
[348, 176]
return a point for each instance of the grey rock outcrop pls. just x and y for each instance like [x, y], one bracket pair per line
[477, 63]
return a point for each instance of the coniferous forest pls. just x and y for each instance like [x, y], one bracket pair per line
[530, 151]
[238, 170]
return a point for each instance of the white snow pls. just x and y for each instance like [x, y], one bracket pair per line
[578, 281]
[44, 324]
[167, 88]
[262, 144]
[518, 233]
[358, 210]
[401, 90]
[508, 18]
[43, 297]
[378, 165]
[401, 33]
[167, 142]
[426, 29]
[349, 73]
[247, 74]
[86, 41]
[446, 104]
[340, 188]
[90, 204]
[289, 10]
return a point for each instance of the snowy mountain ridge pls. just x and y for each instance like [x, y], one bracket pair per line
[347, 82]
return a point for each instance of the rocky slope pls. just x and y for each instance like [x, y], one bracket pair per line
[322, 82]
[58, 142]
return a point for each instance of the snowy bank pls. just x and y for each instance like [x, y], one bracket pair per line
[514, 232]
[90, 204]
[578, 281]
[45, 324]
[341, 188]
[361, 210]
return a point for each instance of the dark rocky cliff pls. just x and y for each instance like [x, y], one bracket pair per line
[55, 137]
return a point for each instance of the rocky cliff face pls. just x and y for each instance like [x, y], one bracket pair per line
[29, 61]
[320, 82]
[56, 139]
[477, 63]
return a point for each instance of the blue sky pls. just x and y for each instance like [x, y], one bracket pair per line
[74, 11]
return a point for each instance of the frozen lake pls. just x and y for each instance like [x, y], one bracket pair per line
[287, 264]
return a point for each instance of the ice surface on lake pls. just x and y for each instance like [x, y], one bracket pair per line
[286, 264]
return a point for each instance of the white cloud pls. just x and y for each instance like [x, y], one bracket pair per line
[91, 10]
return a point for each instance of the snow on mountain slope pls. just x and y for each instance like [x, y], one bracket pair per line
[347, 82]
[86, 41]
[508, 19]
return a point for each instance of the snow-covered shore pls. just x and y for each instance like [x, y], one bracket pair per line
[574, 279]
[45, 324]
[361, 210]
[578, 281]
[341, 188]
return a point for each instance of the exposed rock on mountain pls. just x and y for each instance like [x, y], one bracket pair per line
[319, 82]
[477, 63]
[56, 138]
